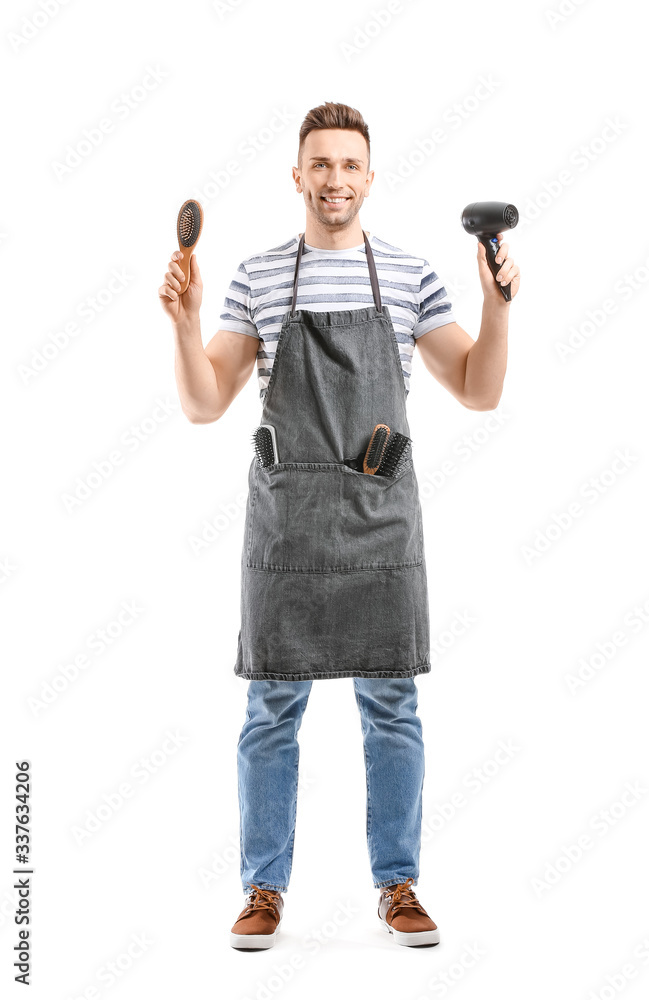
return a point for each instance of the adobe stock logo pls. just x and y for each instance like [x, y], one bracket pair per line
[365, 33]
[592, 490]
[602, 822]
[120, 109]
[31, 25]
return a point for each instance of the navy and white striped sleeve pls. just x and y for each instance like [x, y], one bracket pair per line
[237, 312]
[435, 308]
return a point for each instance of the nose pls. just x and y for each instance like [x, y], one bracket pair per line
[333, 180]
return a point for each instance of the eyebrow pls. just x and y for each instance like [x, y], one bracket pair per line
[346, 159]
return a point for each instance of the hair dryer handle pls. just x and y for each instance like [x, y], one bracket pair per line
[490, 243]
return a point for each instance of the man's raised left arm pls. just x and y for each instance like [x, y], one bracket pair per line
[474, 370]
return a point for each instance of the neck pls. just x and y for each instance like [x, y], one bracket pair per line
[333, 239]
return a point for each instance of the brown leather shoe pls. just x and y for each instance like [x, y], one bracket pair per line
[259, 921]
[404, 917]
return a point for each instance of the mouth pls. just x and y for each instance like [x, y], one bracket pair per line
[333, 202]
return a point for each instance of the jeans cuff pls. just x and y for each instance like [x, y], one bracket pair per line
[395, 881]
[264, 885]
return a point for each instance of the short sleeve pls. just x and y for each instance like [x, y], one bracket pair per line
[237, 311]
[435, 308]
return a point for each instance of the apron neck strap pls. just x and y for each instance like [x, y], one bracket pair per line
[376, 291]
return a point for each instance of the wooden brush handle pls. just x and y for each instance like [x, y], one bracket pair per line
[185, 266]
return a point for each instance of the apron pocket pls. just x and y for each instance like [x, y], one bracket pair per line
[324, 517]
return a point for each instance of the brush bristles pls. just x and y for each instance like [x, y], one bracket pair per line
[263, 442]
[189, 224]
[396, 455]
[376, 447]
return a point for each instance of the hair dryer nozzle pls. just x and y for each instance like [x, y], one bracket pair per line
[486, 218]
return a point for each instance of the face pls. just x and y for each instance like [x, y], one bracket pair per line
[334, 165]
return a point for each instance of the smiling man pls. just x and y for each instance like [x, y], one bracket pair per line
[333, 569]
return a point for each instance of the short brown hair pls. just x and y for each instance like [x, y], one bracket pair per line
[330, 115]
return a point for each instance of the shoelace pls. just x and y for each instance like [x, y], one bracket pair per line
[262, 899]
[402, 895]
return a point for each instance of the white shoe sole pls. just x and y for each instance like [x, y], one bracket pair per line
[413, 938]
[254, 940]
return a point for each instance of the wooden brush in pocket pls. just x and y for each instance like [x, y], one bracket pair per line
[376, 448]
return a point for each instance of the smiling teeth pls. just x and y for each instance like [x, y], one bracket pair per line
[335, 200]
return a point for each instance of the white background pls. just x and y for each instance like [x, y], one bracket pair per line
[165, 864]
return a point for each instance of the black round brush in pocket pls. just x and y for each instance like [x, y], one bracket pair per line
[264, 439]
[396, 455]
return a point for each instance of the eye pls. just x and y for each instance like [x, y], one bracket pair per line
[353, 165]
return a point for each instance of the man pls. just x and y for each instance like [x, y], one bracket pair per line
[333, 572]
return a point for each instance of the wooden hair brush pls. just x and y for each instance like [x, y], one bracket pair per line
[189, 226]
[376, 448]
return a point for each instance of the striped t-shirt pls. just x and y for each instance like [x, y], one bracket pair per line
[261, 292]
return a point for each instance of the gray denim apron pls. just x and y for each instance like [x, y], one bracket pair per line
[333, 571]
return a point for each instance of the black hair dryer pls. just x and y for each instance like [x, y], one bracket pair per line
[485, 219]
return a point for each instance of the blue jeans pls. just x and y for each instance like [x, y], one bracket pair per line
[267, 762]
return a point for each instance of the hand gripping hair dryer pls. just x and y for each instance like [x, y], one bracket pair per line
[485, 219]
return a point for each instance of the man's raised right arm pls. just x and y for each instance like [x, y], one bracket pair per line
[208, 378]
